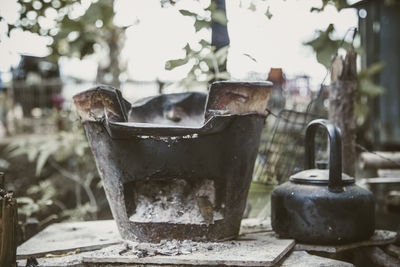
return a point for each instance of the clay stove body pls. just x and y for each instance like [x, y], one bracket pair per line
[176, 166]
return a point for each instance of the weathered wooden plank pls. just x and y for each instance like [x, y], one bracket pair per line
[261, 249]
[93, 235]
[295, 258]
[257, 249]
[64, 237]
[381, 180]
[303, 259]
[389, 173]
[380, 237]
[378, 160]
[8, 227]
[342, 95]
[9, 222]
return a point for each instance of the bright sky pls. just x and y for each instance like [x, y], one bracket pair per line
[161, 34]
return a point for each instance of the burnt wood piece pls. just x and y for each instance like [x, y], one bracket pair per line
[342, 94]
[9, 224]
[64, 238]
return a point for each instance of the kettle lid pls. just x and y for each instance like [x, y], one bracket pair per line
[317, 176]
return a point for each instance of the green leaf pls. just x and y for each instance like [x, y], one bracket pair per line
[371, 70]
[71, 25]
[87, 49]
[252, 58]
[219, 16]
[209, 60]
[80, 149]
[187, 13]
[339, 4]
[368, 87]
[213, 6]
[361, 111]
[324, 46]
[204, 43]
[41, 160]
[209, 76]
[25, 200]
[222, 76]
[200, 24]
[252, 7]
[268, 13]
[17, 151]
[323, 37]
[32, 153]
[93, 13]
[10, 28]
[188, 49]
[174, 63]
[222, 54]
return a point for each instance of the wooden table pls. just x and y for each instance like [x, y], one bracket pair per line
[97, 243]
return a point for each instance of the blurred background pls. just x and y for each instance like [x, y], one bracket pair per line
[51, 50]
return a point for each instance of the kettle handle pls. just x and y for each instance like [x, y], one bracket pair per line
[335, 155]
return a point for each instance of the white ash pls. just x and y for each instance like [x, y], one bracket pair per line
[175, 201]
[171, 248]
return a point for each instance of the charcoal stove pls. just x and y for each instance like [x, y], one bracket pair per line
[176, 166]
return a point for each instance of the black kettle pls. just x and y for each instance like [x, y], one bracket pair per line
[322, 206]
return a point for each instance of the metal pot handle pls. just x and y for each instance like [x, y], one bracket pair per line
[335, 155]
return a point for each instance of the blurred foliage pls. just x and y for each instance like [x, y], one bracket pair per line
[62, 146]
[74, 28]
[45, 193]
[326, 48]
[207, 63]
[366, 90]
[67, 154]
[338, 4]
[72, 33]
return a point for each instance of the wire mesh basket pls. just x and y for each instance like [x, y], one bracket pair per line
[281, 151]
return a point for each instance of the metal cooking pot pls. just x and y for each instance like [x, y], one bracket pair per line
[323, 206]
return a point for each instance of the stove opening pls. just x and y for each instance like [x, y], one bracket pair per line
[176, 201]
